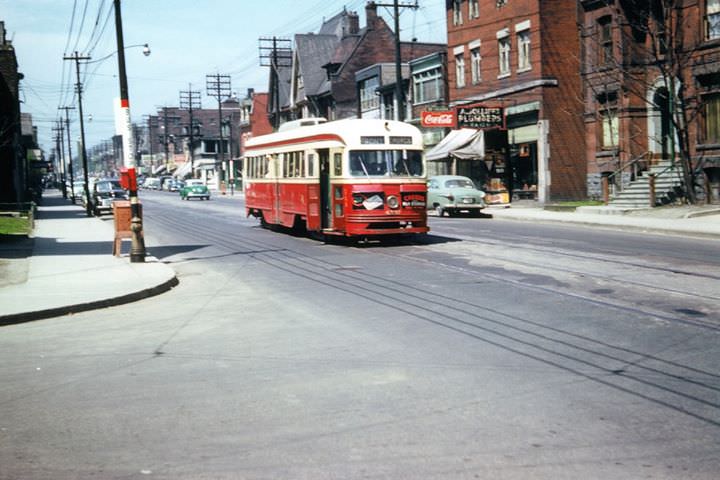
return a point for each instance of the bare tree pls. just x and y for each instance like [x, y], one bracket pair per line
[642, 55]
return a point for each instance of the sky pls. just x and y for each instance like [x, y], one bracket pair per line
[188, 39]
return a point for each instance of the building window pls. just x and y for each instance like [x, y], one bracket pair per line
[523, 40]
[712, 118]
[368, 98]
[389, 106]
[474, 9]
[460, 70]
[427, 86]
[457, 12]
[610, 130]
[475, 65]
[712, 13]
[504, 52]
[605, 41]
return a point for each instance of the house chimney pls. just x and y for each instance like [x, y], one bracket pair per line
[353, 20]
[370, 15]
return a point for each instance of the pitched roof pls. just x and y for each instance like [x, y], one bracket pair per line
[314, 51]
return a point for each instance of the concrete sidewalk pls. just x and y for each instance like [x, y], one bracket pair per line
[696, 221]
[68, 267]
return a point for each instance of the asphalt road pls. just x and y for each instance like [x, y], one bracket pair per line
[488, 349]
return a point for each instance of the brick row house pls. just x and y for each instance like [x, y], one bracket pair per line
[652, 98]
[516, 60]
[13, 171]
[321, 80]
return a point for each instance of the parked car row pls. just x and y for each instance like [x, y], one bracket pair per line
[103, 192]
[451, 194]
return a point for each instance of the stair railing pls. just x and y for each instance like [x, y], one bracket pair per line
[611, 180]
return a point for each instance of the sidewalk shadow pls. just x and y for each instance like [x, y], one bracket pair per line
[45, 246]
[170, 250]
[58, 214]
[16, 246]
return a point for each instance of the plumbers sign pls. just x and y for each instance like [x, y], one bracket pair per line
[480, 117]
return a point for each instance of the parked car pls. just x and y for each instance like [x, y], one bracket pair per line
[104, 193]
[194, 188]
[78, 188]
[454, 194]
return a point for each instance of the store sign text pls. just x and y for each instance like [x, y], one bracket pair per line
[480, 117]
[438, 119]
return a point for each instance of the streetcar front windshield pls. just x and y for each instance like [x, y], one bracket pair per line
[381, 163]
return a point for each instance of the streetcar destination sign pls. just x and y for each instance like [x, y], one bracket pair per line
[480, 117]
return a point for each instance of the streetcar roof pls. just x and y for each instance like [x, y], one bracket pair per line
[343, 132]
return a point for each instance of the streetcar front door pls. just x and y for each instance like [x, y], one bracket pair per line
[325, 208]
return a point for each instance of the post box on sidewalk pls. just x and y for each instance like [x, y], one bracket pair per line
[122, 214]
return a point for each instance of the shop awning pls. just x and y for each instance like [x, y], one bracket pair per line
[463, 143]
[474, 149]
[183, 170]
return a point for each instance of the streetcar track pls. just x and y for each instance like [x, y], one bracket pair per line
[364, 288]
[592, 299]
[604, 277]
[339, 271]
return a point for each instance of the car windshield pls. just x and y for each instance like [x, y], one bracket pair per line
[108, 186]
[379, 163]
[459, 183]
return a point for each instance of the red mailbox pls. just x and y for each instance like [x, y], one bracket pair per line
[128, 179]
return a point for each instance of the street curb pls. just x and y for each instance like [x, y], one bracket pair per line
[629, 228]
[16, 318]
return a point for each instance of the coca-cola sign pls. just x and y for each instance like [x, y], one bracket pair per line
[444, 119]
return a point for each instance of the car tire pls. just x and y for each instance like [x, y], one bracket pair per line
[440, 211]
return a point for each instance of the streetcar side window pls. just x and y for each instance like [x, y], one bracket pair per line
[311, 164]
[337, 164]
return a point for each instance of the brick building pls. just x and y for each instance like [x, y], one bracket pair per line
[13, 169]
[652, 98]
[521, 56]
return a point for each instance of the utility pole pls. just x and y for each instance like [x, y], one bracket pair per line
[399, 92]
[70, 162]
[166, 137]
[190, 100]
[274, 53]
[60, 160]
[137, 248]
[77, 58]
[218, 87]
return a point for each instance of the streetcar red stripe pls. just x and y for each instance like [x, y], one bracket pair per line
[323, 137]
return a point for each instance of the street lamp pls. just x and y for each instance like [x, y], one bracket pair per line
[137, 249]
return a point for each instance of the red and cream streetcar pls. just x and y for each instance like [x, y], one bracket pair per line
[353, 178]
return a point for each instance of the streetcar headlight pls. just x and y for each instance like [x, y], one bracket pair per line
[393, 202]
